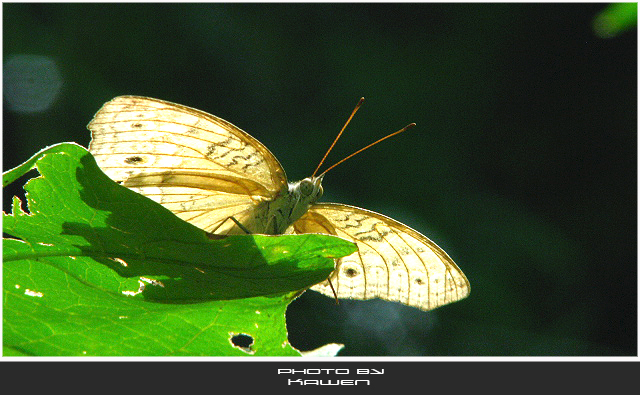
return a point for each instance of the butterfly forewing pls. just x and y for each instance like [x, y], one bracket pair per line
[393, 261]
[200, 167]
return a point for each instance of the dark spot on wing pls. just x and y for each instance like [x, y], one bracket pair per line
[134, 160]
[350, 272]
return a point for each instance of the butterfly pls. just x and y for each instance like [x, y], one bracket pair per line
[219, 178]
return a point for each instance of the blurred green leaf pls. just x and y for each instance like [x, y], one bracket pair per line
[97, 269]
[616, 19]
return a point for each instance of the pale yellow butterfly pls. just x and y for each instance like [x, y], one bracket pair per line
[217, 177]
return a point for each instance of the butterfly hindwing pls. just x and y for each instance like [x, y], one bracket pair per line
[393, 261]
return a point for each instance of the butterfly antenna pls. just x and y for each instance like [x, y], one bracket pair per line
[339, 134]
[370, 145]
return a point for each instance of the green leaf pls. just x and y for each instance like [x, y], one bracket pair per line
[97, 269]
[11, 175]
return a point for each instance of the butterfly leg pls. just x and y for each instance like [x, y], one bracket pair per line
[247, 231]
[335, 295]
[213, 235]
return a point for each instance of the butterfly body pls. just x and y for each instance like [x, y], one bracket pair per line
[214, 175]
[275, 217]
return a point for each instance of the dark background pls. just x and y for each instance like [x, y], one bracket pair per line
[522, 166]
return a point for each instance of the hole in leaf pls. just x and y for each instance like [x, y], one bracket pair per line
[16, 189]
[243, 342]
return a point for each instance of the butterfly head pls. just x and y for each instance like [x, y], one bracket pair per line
[309, 190]
[304, 193]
